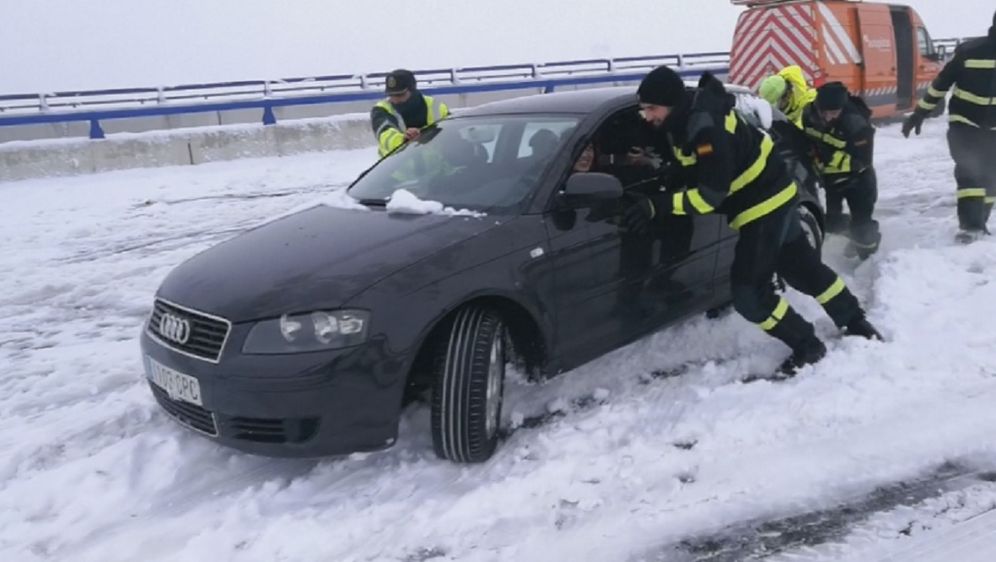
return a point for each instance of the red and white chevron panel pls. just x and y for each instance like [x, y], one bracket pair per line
[838, 46]
[768, 40]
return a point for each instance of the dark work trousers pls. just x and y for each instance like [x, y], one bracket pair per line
[974, 154]
[860, 190]
[776, 244]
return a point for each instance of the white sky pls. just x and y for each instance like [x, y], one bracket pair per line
[72, 44]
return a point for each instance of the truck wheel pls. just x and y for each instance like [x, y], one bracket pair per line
[811, 228]
[469, 376]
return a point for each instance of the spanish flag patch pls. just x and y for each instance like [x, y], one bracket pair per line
[704, 149]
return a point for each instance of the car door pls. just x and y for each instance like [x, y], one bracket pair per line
[638, 281]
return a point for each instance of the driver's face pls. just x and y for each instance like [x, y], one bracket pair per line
[654, 114]
[585, 159]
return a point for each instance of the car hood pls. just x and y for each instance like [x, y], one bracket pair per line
[314, 259]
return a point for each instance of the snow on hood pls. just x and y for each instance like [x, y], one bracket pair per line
[404, 201]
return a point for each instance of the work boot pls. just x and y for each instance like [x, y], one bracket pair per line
[809, 351]
[837, 224]
[969, 235]
[865, 239]
[860, 326]
[862, 250]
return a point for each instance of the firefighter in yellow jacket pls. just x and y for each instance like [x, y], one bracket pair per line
[971, 77]
[724, 165]
[406, 111]
[789, 92]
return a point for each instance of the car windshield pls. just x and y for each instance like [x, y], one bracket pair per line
[487, 163]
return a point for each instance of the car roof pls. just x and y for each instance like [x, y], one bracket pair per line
[578, 101]
[575, 101]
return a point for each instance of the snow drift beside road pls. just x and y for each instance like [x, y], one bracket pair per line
[655, 442]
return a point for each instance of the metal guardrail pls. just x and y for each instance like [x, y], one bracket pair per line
[97, 105]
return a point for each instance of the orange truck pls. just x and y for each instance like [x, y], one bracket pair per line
[881, 51]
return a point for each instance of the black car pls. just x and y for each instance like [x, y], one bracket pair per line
[308, 335]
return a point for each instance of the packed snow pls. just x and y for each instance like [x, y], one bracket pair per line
[407, 203]
[652, 452]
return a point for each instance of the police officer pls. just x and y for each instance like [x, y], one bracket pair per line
[789, 92]
[729, 167]
[842, 137]
[972, 128]
[401, 117]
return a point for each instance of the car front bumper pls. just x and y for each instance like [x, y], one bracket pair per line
[299, 405]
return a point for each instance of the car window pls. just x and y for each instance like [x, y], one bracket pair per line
[483, 163]
[925, 44]
[541, 136]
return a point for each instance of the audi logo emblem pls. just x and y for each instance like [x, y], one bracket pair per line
[174, 328]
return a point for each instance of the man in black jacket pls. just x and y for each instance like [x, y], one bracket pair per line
[972, 129]
[729, 166]
[842, 138]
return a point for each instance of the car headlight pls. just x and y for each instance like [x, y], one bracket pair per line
[312, 331]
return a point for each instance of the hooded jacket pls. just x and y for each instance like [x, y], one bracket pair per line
[802, 95]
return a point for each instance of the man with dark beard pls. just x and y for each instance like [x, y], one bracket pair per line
[971, 77]
[401, 117]
[728, 166]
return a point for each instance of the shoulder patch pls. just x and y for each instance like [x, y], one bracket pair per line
[704, 149]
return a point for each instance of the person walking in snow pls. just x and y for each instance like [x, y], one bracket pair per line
[728, 166]
[401, 117]
[842, 136]
[971, 77]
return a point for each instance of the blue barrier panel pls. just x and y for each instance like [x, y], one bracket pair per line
[267, 105]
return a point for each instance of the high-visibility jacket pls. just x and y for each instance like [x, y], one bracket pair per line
[971, 77]
[728, 166]
[389, 125]
[843, 147]
[802, 95]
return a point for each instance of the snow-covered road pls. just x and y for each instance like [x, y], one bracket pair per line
[655, 454]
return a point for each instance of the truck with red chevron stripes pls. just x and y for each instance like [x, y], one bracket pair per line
[883, 52]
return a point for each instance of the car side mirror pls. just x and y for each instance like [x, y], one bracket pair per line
[586, 189]
[940, 54]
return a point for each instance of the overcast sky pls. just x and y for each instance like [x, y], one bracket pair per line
[79, 44]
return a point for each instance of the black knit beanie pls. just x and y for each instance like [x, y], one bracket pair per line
[662, 86]
[831, 96]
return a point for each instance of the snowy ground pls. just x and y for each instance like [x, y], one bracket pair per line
[883, 451]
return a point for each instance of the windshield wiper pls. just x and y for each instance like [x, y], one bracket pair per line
[373, 202]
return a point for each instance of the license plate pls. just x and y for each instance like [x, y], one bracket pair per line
[176, 384]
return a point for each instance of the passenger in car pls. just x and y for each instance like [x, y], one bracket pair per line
[731, 168]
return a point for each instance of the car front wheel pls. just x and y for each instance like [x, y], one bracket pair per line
[469, 376]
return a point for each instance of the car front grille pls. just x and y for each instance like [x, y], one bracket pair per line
[270, 430]
[190, 415]
[203, 335]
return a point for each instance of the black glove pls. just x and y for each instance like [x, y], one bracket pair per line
[639, 212]
[914, 121]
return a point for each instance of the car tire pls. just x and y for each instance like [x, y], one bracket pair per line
[469, 378]
[811, 227]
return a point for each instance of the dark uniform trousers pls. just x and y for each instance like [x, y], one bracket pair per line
[776, 244]
[860, 190]
[974, 152]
